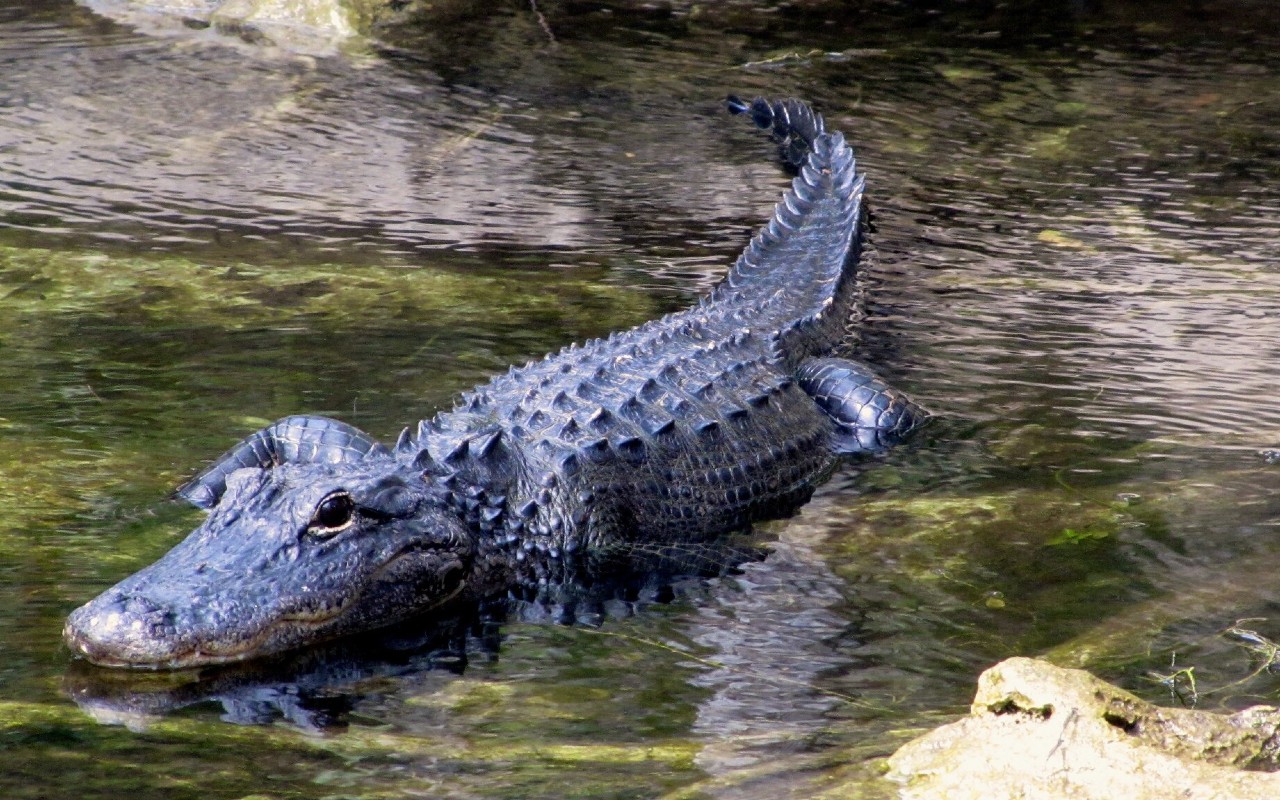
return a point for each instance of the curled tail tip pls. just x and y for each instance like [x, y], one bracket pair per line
[764, 114]
[792, 124]
[736, 105]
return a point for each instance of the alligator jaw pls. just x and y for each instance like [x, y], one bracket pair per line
[108, 638]
[105, 638]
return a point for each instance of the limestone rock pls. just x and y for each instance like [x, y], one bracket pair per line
[328, 16]
[314, 27]
[1040, 732]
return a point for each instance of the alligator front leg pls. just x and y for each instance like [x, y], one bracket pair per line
[869, 415]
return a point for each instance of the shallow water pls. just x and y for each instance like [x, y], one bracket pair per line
[1074, 263]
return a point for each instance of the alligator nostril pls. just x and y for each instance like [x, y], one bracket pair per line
[113, 621]
[139, 605]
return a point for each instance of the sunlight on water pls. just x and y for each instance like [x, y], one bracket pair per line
[1074, 264]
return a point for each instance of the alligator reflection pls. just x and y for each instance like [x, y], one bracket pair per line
[318, 688]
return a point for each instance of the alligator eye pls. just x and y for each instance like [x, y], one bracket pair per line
[334, 513]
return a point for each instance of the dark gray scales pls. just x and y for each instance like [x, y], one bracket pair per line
[695, 423]
[685, 428]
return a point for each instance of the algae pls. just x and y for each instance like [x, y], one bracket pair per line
[155, 293]
[1038, 179]
[53, 750]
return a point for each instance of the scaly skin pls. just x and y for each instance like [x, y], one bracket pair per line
[687, 427]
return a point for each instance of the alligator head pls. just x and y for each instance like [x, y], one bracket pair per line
[293, 552]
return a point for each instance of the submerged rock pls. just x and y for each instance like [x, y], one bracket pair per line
[1037, 731]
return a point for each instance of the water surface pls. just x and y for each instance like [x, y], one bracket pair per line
[1074, 263]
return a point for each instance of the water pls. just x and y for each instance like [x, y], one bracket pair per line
[1074, 263]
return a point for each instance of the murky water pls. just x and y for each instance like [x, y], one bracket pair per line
[1075, 263]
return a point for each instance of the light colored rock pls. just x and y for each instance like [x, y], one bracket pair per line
[1040, 732]
[312, 27]
[328, 17]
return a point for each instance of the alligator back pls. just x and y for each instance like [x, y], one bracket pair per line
[692, 423]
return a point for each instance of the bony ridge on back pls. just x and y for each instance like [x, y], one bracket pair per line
[687, 427]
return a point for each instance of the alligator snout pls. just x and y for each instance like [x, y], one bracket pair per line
[120, 627]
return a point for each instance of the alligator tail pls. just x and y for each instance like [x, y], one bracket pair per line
[798, 276]
[791, 123]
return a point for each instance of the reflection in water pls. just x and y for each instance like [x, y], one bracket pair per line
[316, 688]
[773, 633]
[1074, 260]
[1117, 269]
[187, 145]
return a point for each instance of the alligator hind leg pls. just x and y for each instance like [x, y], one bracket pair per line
[869, 415]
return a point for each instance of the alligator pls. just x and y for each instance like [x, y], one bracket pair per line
[317, 687]
[686, 428]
